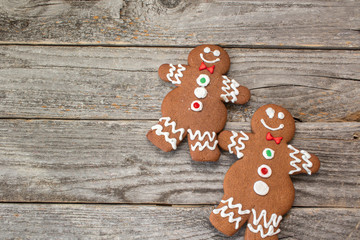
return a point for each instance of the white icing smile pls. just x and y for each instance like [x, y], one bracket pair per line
[281, 126]
[208, 61]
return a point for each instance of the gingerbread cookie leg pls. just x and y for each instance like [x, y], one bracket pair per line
[263, 224]
[166, 135]
[228, 217]
[203, 146]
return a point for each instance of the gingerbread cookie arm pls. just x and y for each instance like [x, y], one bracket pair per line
[233, 92]
[172, 73]
[300, 161]
[233, 142]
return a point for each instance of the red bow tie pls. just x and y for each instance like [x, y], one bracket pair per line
[203, 66]
[269, 137]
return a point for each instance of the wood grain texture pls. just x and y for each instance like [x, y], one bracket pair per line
[46, 221]
[122, 83]
[314, 23]
[113, 162]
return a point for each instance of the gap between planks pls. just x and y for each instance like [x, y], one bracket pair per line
[156, 205]
[273, 47]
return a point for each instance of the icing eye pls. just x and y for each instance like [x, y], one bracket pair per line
[203, 80]
[281, 115]
[270, 112]
[207, 50]
[216, 53]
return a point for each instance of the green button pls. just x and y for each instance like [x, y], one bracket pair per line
[268, 152]
[202, 80]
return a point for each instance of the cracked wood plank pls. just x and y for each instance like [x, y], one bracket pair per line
[73, 221]
[309, 24]
[122, 83]
[113, 162]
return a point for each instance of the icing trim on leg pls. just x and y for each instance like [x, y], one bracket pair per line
[201, 137]
[159, 131]
[270, 225]
[230, 215]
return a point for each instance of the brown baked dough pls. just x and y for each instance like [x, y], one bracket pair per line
[195, 108]
[257, 188]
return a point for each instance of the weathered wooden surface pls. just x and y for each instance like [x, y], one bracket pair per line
[102, 101]
[44, 221]
[113, 162]
[122, 83]
[284, 23]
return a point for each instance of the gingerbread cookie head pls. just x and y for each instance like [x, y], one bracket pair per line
[275, 120]
[212, 57]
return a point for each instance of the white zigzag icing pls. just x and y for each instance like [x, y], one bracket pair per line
[232, 86]
[305, 157]
[201, 137]
[173, 126]
[223, 209]
[233, 143]
[203, 146]
[296, 160]
[177, 75]
[270, 225]
[167, 123]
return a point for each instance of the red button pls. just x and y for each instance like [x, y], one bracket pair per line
[264, 171]
[196, 105]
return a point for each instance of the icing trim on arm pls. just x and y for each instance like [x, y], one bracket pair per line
[308, 164]
[233, 87]
[177, 75]
[234, 144]
[305, 156]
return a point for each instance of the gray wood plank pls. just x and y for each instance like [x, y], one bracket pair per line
[69, 221]
[314, 23]
[113, 162]
[122, 83]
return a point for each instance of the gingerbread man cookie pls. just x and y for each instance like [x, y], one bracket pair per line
[196, 107]
[257, 188]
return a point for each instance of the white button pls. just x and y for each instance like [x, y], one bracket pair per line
[200, 92]
[261, 188]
